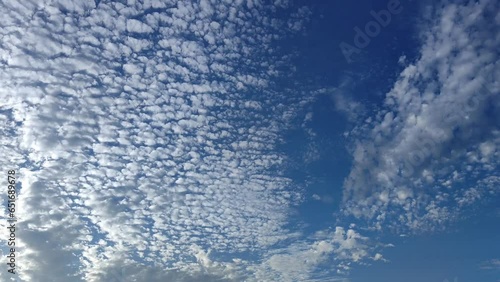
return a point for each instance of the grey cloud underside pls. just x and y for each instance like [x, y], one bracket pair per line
[439, 131]
[140, 135]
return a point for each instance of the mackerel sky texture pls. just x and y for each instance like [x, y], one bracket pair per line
[252, 140]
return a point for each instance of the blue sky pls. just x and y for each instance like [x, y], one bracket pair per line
[252, 140]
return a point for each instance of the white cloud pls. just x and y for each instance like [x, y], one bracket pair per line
[144, 153]
[493, 264]
[138, 138]
[437, 129]
[327, 199]
[340, 250]
[134, 25]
